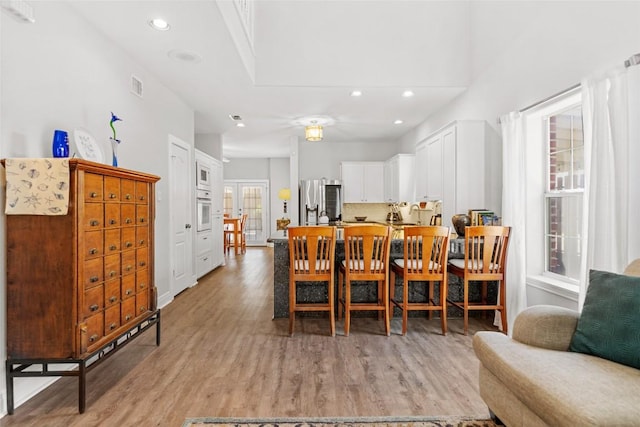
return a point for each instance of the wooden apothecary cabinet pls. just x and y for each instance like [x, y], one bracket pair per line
[80, 286]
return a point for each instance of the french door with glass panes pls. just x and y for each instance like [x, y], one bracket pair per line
[251, 198]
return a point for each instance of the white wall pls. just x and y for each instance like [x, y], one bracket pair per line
[250, 168]
[210, 143]
[279, 178]
[60, 74]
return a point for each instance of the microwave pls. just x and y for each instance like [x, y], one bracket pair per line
[203, 176]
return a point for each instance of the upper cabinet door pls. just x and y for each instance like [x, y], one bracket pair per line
[363, 182]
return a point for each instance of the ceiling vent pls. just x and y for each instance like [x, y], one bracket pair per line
[235, 117]
[136, 86]
[20, 9]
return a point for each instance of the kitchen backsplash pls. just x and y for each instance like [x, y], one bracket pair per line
[378, 212]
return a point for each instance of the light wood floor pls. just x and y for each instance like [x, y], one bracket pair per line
[222, 355]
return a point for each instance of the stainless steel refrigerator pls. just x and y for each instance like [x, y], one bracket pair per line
[318, 196]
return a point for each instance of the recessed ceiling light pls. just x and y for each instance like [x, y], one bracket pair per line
[407, 94]
[159, 24]
[356, 93]
[240, 125]
[225, 160]
[398, 122]
[185, 56]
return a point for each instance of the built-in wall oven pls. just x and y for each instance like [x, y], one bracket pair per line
[204, 207]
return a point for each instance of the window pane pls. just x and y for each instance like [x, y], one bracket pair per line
[564, 223]
[566, 154]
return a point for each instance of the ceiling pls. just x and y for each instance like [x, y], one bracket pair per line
[303, 60]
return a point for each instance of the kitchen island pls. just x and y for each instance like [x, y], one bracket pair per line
[313, 293]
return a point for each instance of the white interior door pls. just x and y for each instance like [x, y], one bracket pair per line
[181, 216]
[251, 198]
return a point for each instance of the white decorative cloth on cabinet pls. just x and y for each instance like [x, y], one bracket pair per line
[37, 186]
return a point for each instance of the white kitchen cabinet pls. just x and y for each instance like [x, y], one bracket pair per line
[399, 180]
[362, 182]
[461, 165]
[210, 243]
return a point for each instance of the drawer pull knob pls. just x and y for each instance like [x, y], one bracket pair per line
[142, 241]
[93, 195]
[142, 263]
[112, 273]
[127, 196]
[128, 292]
[113, 221]
[112, 196]
[94, 279]
[93, 307]
[127, 317]
[127, 221]
[93, 251]
[143, 309]
[128, 244]
[113, 298]
[113, 247]
[141, 198]
[128, 268]
[112, 326]
[94, 223]
[142, 285]
[93, 338]
[142, 219]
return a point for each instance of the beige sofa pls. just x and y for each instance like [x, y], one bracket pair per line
[533, 380]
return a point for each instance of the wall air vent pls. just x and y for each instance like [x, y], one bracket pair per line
[20, 10]
[136, 86]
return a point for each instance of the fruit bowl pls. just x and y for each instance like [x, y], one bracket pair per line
[361, 218]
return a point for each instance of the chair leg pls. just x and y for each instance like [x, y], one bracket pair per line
[292, 306]
[466, 306]
[340, 301]
[380, 297]
[332, 311]
[392, 292]
[405, 304]
[503, 302]
[430, 312]
[347, 307]
[443, 304]
[385, 302]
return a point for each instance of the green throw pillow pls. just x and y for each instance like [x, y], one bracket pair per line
[609, 325]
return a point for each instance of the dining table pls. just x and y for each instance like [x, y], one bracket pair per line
[232, 226]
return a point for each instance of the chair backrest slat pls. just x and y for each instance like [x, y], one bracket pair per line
[367, 249]
[312, 250]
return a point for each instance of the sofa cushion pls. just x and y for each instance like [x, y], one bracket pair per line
[609, 325]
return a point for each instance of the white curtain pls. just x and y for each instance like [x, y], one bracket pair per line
[606, 222]
[513, 213]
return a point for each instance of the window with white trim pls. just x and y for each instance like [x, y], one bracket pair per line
[555, 187]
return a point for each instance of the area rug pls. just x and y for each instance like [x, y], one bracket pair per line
[341, 422]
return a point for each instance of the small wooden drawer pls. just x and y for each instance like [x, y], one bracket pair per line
[111, 292]
[127, 190]
[127, 310]
[93, 301]
[111, 188]
[142, 302]
[93, 272]
[142, 280]
[95, 330]
[93, 244]
[93, 217]
[112, 215]
[111, 241]
[142, 258]
[142, 214]
[128, 286]
[128, 214]
[112, 266]
[142, 192]
[128, 238]
[142, 236]
[128, 262]
[92, 187]
[111, 319]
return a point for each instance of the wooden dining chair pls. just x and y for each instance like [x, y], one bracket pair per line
[243, 233]
[366, 259]
[485, 257]
[311, 259]
[426, 250]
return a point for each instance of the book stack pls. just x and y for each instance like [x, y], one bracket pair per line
[483, 217]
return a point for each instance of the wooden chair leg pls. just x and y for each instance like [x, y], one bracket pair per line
[332, 311]
[292, 306]
[385, 302]
[466, 306]
[347, 307]
[380, 298]
[443, 304]
[405, 304]
[340, 300]
[430, 312]
[503, 303]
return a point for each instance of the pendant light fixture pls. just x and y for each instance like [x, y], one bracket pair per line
[313, 132]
